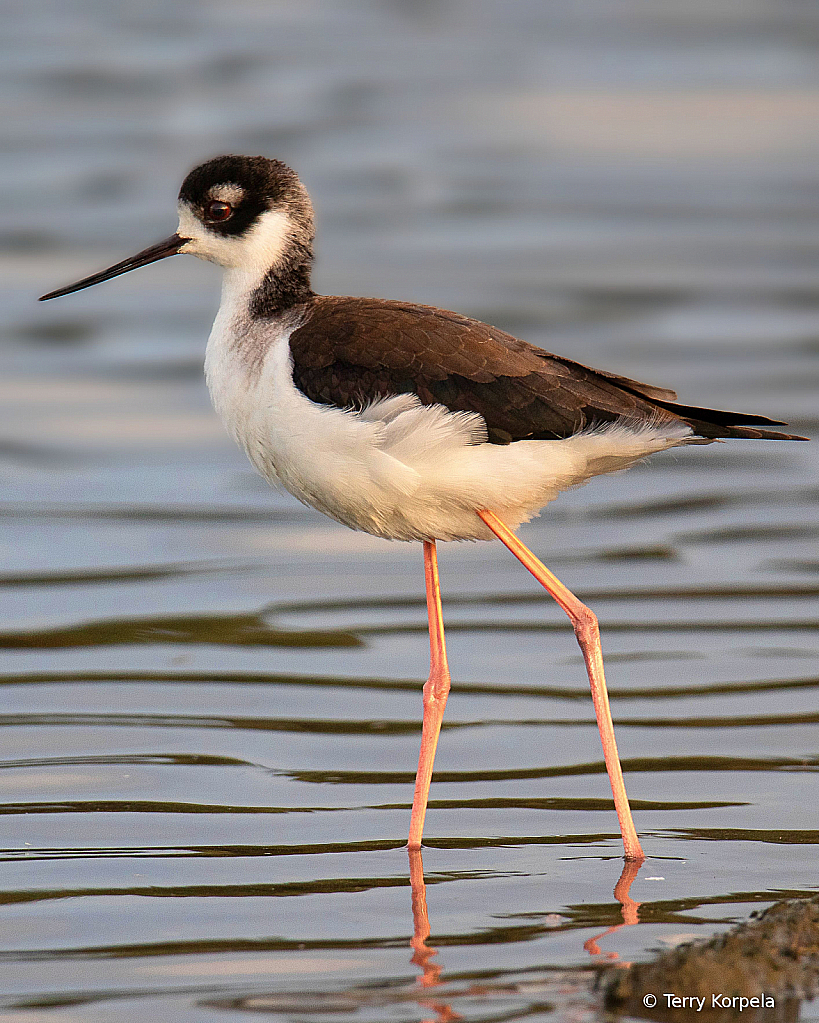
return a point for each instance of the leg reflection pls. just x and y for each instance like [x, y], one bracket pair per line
[629, 909]
[422, 954]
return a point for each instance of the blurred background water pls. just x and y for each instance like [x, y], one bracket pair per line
[212, 696]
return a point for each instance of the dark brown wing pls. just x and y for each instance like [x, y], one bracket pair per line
[351, 351]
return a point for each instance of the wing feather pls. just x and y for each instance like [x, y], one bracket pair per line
[349, 352]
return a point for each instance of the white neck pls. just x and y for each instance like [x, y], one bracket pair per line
[238, 284]
[233, 317]
[225, 369]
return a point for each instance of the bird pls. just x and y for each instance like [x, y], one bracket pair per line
[407, 421]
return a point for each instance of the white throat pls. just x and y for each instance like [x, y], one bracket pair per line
[238, 284]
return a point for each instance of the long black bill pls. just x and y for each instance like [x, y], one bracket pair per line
[168, 247]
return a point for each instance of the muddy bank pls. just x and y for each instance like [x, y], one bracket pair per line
[761, 970]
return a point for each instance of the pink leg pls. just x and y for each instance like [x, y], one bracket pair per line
[587, 632]
[436, 691]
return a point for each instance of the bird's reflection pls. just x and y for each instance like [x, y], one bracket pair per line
[629, 908]
[423, 954]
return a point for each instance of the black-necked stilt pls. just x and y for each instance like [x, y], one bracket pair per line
[408, 422]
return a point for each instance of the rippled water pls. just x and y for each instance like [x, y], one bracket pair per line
[212, 698]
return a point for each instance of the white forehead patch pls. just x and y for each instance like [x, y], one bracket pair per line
[228, 192]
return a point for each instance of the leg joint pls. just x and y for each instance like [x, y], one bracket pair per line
[585, 623]
[436, 688]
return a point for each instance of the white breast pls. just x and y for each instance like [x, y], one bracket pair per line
[397, 469]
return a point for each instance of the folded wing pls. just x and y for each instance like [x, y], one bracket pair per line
[351, 351]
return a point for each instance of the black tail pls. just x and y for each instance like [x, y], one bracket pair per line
[714, 424]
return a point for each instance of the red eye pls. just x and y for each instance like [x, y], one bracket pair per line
[217, 211]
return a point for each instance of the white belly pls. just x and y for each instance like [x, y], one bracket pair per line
[399, 469]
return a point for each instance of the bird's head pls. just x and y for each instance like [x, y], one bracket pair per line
[243, 212]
